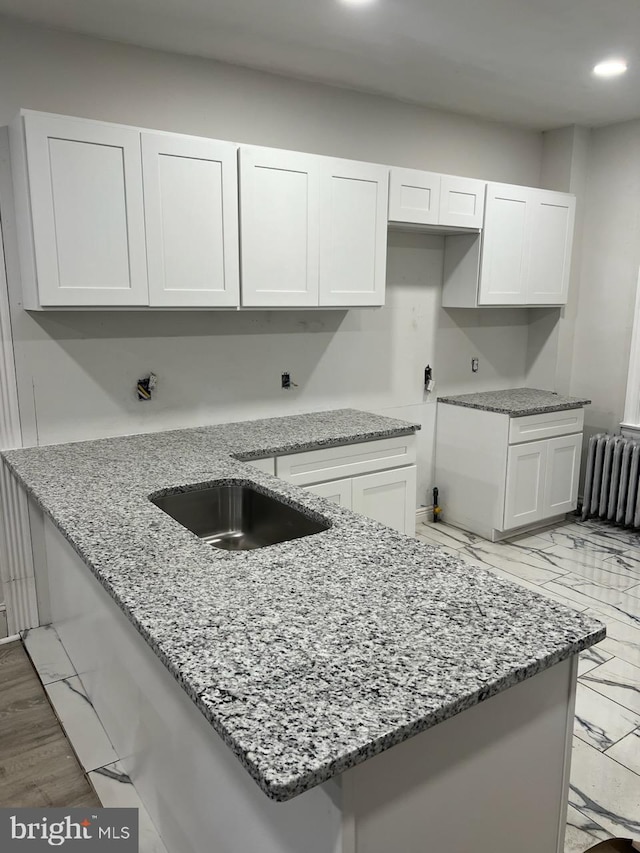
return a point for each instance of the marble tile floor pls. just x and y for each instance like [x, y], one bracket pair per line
[592, 567]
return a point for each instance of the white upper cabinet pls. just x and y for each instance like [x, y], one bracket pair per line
[526, 254]
[280, 224]
[314, 230]
[79, 209]
[503, 272]
[550, 244]
[523, 256]
[414, 196]
[191, 214]
[353, 232]
[462, 202]
[428, 198]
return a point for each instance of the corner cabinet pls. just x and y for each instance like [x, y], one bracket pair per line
[498, 474]
[314, 230]
[80, 212]
[523, 256]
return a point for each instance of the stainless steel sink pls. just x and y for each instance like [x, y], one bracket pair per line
[237, 517]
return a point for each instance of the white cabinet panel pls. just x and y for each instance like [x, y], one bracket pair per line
[388, 497]
[353, 232]
[503, 273]
[337, 491]
[279, 215]
[526, 471]
[461, 202]
[545, 425]
[414, 196]
[191, 212]
[563, 469]
[330, 463]
[549, 265]
[85, 189]
[267, 465]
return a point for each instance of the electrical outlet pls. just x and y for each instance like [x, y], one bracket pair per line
[286, 380]
[475, 364]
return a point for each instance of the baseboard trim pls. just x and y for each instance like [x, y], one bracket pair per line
[424, 514]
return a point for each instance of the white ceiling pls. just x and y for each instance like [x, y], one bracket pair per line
[523, 61]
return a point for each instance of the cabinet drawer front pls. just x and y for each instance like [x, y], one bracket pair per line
[547, 425]
[317, 466]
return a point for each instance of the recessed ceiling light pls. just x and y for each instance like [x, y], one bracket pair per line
[357, 2]
[610, 68]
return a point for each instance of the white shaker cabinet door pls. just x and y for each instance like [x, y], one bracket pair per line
[279, 216]
[549, 264]
[353, 233]
[191, 211]
[503, 271]
[526, 472]
[388, 497]
[337, 491]
[563, 469]
[414, 196]
[85, 189]
[461, 202]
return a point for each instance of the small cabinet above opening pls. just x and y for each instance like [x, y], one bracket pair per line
[430, 199]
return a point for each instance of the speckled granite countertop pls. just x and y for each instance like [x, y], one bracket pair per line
[310, 656]
[517, 402]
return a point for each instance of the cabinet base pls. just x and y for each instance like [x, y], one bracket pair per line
[494, 535]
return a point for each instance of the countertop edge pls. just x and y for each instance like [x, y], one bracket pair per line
[281, 793]
[516, 413]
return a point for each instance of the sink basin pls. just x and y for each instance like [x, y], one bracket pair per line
[237, 517]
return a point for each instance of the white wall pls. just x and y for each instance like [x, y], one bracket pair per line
[608, 274]
[77, 370]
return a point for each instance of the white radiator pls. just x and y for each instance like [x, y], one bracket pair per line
[611, 484]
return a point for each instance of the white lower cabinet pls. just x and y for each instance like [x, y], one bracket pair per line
[497, 474]
[563, 471]
[374, 478]
[542, 479]
[338, 492]
[388, 497]
[524, 495]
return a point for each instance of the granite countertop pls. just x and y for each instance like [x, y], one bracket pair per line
[517, 402]
[309, 656]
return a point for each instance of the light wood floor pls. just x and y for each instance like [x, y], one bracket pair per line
[37, 765]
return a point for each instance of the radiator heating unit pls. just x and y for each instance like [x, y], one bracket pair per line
[611, 484]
